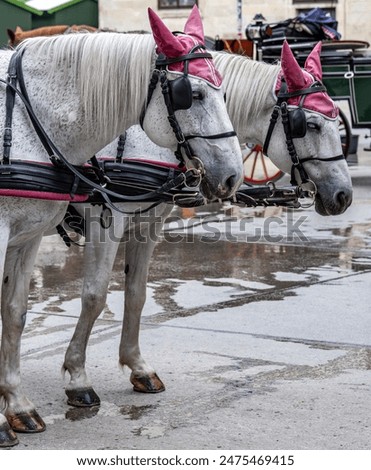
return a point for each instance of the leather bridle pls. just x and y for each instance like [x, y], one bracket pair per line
[288, 121]
[178, 94]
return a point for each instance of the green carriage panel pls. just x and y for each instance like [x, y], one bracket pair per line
[362, 100]
[348, 77]
[336, 84]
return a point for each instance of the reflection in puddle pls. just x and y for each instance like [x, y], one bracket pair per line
[78, 414]
[189, 269]
[134, 412]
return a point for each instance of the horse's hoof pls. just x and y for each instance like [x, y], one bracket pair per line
[29, 422]
[8, 437]
[82, 397]
[147, 383]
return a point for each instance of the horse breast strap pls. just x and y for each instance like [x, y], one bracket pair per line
[14, 77]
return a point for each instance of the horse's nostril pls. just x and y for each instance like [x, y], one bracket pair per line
[231, 182]
[343, 198]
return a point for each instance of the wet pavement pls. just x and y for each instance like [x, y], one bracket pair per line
[257, 320]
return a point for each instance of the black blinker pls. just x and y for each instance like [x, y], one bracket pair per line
[298, 123]
[181, 93]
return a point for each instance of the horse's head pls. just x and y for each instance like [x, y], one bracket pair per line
[310, 133]
[186, 111]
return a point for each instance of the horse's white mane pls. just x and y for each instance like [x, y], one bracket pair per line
[104, 66]
[247, 83]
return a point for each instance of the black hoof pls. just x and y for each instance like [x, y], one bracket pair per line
[8, 437]
[82, 397]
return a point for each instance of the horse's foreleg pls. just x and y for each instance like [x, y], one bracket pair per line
[137, 259]
[7, 435]
[19, 263]
[99, 257]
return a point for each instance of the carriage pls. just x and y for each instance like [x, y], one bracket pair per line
[346, 69]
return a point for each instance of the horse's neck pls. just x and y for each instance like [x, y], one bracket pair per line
[62, 110]
[250, 94]
[259, 105]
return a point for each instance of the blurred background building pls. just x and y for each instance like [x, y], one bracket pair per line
[224, 18]
[228, 18]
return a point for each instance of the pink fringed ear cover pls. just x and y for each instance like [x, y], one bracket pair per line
[174, 46]
[298, 79]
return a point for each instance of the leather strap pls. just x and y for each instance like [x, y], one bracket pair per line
[162, 61]
[222, 135]
[9, 106]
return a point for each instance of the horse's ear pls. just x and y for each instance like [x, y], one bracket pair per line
[291, 69]
[194, 26]
[313, 62]
[165, 40]
[11, 35]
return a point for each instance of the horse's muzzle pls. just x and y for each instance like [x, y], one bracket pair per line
[336, 205]
[220, 190]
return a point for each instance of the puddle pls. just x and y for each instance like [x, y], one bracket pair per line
[134, 412]
[79, 414]
[237, 255]
[151, 432]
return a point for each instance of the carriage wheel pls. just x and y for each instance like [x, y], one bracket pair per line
[258, 167]
[345, 132]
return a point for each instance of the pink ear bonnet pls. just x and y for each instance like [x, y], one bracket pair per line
[297, 79]
[174, 46]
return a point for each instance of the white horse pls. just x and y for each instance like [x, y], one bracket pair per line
[86, 90]
[251, 89]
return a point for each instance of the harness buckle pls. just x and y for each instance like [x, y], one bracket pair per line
[56, 161]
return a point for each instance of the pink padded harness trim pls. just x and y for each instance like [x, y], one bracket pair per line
[43, 195]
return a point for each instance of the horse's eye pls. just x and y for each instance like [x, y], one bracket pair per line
[225, 97]
[197, 95]
[314, 126]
